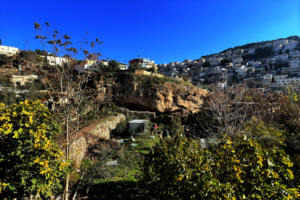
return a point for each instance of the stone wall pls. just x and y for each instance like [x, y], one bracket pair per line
[89, 136]
[136, 113]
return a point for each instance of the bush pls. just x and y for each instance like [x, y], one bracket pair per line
[30, 161]
[240, 169]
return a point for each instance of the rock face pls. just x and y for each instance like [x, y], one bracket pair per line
[167, 98]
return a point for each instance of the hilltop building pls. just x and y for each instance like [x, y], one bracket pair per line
[8, 50]
[145, 62]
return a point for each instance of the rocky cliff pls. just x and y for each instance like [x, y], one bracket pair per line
[160, 95]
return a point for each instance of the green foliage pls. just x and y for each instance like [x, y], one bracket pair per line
[173, 124]
[185, 78]
[240, 169]
[224, 61]
[30, 161]
[0, 42]
[114, 107]
[135, 66]
[114, 65]
[268, 136]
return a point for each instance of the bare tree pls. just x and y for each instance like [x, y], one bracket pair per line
[74, 84]
[225, 112]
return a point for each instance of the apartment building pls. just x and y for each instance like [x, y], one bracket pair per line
[268, 44]
[291, 45]
[237, 60]
[8, 50]
[280, 42]
[228, 53]
[236, 51]
[294, 63]
[282, 57]
[251, 51]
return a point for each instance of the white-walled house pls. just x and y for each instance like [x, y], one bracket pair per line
[291, 45]
[236, 51]
[280, 42]
[294, 63]
[282, 56]
[251, 51]
[8, 50]
[294, 53]
[52, 60]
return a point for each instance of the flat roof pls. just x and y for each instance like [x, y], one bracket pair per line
[137, 121]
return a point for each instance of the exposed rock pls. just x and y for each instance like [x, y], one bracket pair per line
[168, 98]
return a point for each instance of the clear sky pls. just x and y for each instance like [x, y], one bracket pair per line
[162, 30]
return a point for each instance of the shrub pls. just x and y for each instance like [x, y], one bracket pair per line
[30, 161]
[240, 169]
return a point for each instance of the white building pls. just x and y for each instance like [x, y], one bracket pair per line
[251, 51]
[277, 49]
[52, 60]
[237, 60]
[291, 45]
[23, 79]
[282, 57]
[294, 63]
[267, 79]
[8, 50]
[280, 42]
[256, 63]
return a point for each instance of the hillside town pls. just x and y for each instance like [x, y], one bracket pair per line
[277, 70]
[273, 64]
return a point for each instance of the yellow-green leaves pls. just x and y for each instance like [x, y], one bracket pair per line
[26, 150]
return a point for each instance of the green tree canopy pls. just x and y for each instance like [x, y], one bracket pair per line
[114, 65]
[135, 66]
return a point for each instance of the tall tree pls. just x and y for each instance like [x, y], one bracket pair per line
[71, 83]
[0, 42]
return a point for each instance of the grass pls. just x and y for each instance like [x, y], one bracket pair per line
[124, 183]
[113, 190]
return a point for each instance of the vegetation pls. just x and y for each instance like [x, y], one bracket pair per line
[135, 66]
[232, 169]
[30, 161]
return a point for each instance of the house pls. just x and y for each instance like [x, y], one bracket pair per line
[138, 126]
[294, 63]
[237, 60]
[53, 60]
[267, 79]
[123, 66]
[268, 44]
[237, 51]
[294, 53]
[282, 57]
[280, 42]
[22, 79]
[187, 61]
[251, 51]
[145, 62]
[291, 45]
[228, 53]
[8, 50]
[256, 63]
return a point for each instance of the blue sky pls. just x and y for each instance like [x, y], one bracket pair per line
[163, 30]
